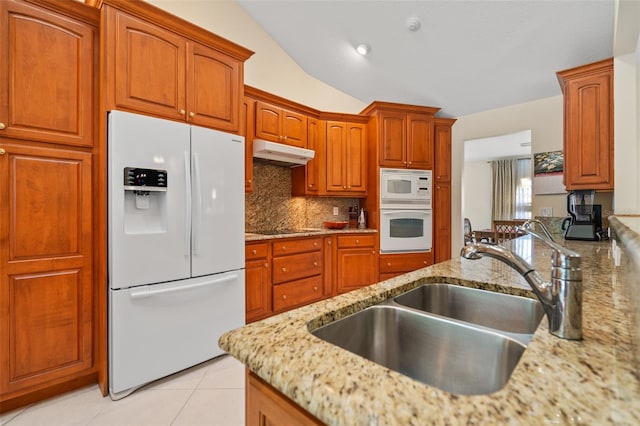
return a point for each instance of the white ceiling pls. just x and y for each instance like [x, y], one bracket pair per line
[468, 56]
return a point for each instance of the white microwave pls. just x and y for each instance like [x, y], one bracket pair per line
[403, 188]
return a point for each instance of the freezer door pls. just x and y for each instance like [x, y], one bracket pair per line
[161, 329]
[217, 169]
[149, 233]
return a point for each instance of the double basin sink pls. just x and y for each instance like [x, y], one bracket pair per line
[461, 340]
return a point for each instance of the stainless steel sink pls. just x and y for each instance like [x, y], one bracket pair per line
[513, 314]
[452, 356]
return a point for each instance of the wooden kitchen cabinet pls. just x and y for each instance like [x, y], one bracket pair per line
[310, 179]
[356, 262]
[197, 77]
[280, 125]
[46, 284]
[48, 298]
[392, 265]
[246, 130]
[297, 275]
[47, 75]
[442, 190]
[588, 126]
[267, 406]
[346, 165]
[257, 281]
[406, 140]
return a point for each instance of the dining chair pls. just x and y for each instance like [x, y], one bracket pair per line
[504, 230]
[469, 236]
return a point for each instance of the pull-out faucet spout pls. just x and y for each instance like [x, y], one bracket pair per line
[561, 297]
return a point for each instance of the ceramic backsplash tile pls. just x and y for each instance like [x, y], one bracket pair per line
[271, 206]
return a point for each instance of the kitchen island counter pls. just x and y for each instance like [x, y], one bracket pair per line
[593, 381]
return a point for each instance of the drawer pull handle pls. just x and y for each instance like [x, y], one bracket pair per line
[284, 269]
[388, 263]
[254, 251]
[315, 244]
[284, 297]
[357, 241]
[315, 288]
[315, 263]
[284, 248]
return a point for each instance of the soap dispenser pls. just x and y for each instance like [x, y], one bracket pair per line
[362, 222]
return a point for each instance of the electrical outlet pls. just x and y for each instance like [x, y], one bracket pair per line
[335, 211]
[546, 211]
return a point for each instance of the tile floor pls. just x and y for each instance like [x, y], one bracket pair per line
[209, 394]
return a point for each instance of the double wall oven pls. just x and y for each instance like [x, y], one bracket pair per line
[405, 210]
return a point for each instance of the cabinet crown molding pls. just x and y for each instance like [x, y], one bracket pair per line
[583, 70]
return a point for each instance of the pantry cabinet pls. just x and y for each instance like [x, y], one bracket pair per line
[588, 126]
[280, 125]
[346, 165]
[48, 298]
[197, 76]
[442, 190]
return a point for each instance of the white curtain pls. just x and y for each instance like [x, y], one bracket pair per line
[511, 189]
[505, 186]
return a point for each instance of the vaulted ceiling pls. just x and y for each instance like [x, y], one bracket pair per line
[466, 57]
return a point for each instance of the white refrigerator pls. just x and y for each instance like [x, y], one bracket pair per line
[176, 246]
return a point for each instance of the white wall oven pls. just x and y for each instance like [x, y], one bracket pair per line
[405, 210]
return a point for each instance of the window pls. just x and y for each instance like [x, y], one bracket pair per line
[523, 189]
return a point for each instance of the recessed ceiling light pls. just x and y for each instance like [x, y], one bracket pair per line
[413, 24]
[363, 49]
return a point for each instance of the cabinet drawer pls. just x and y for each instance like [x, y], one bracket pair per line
[286, 247]
[404, 262]
[288, 268]
[296, 293]
[356, 241]
[256, 251]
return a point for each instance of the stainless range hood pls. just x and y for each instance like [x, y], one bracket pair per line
[281, 154]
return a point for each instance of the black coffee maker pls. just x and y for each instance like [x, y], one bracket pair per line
[585, 221]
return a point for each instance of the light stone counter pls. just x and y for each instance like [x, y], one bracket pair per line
[594, 381]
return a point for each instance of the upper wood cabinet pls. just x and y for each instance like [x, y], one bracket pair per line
[403, 134]
[346, 165]
[158, 64]
[46, 75]
[588, 126]
[310, 179]
[442, 147]
[280, 125]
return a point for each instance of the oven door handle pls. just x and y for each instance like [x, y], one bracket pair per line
[405, 212]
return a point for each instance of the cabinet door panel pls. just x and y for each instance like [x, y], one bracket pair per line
[148, 73]
[356, 268]
[267, 122]
[294, 129]
[356, 158]
[258, 290]
[214, 88]
[419, 142]
[392, 140]
[46, 82]
[442, 222]
[46, 295]
[442, 166]
[336, 139]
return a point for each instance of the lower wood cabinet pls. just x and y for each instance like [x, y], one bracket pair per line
[356, 262]
[266, 406]
[257, 281]
[392, 265]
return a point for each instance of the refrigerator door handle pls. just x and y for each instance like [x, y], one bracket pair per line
[149, 293]
[187, 217]
[197, 212]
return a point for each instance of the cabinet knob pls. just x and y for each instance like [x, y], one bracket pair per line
[329, 242]
[409, 162]
[404, 162]
[254, 251]
[249, 181]
[2, 126]
[284, 297]
[315, 288]
[357, 241]
[2, 151]
[284, 247]
[344, 186]
[424, 262]
[191, 114]
[284, 137]
[315, 263]
[349, 187]
[373, 252]
[388, 263]
[182, 112]
[315, 244]
[266, 265]
[284, 269]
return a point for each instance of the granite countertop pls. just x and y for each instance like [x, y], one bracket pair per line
[593, 381]
[310, 232]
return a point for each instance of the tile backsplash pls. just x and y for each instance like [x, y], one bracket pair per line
[271, 206]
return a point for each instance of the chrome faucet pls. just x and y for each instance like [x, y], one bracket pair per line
[528, 226]
[561, 297]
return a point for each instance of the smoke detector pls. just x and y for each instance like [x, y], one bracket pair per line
[413, 24]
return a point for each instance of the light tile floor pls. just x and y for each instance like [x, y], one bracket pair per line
[209, 394]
